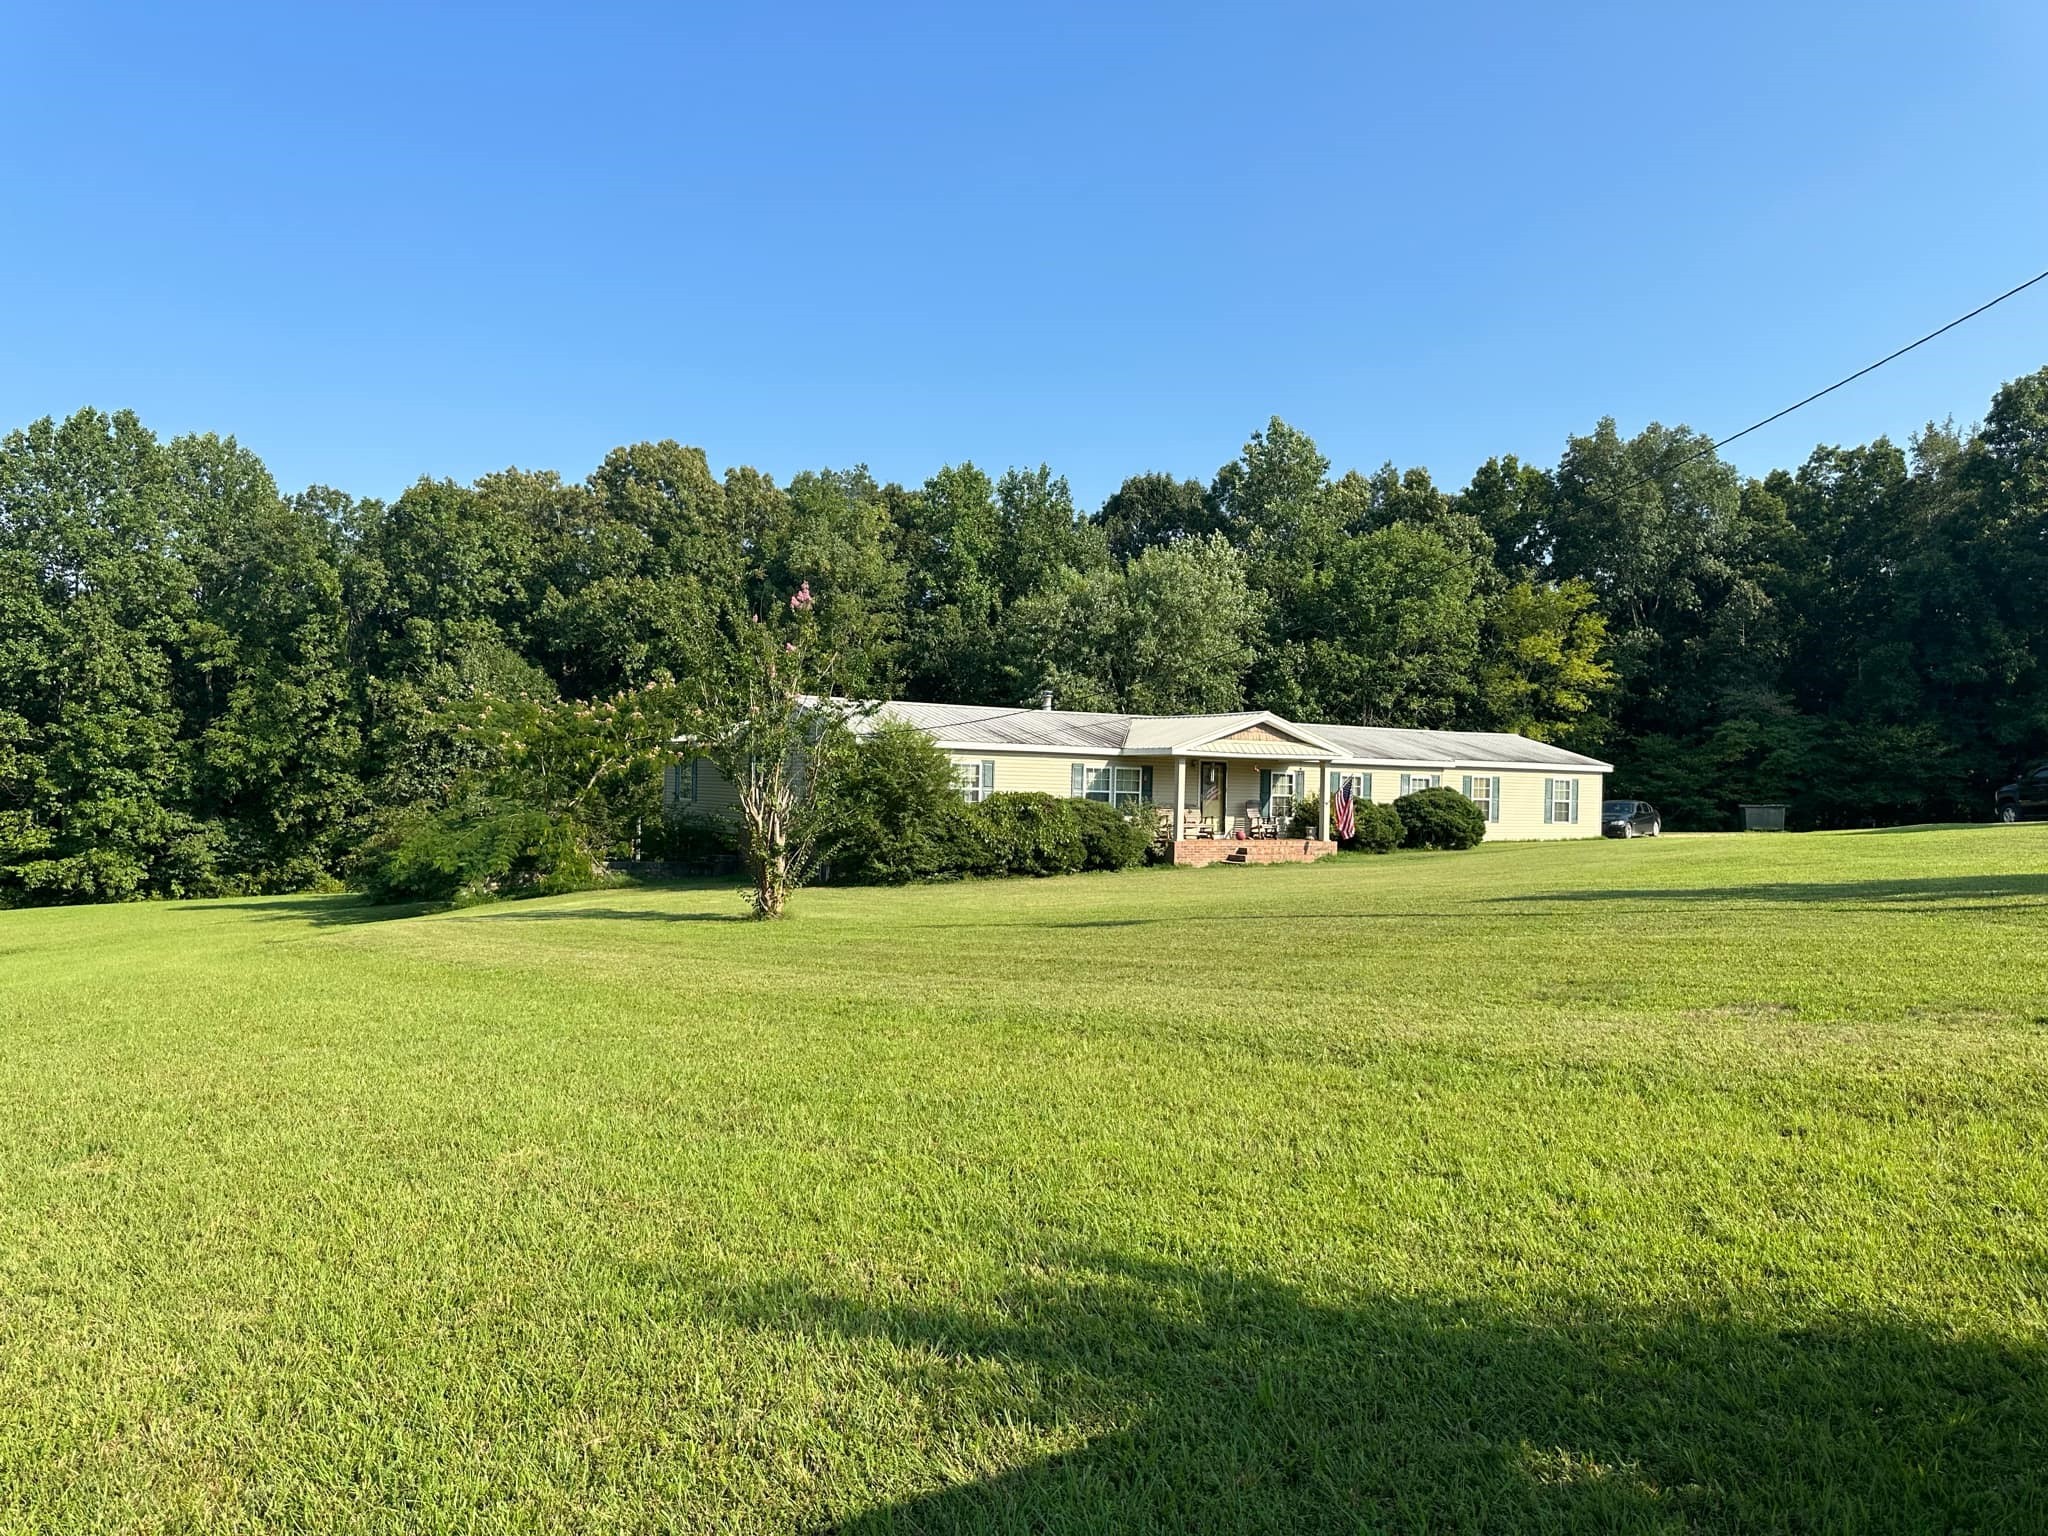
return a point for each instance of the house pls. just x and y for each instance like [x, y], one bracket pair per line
[1221, 775]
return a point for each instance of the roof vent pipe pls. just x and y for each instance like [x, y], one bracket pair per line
[1045, 699]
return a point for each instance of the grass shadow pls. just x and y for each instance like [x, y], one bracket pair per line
[342, 911]
[511, 912]
[1935, 893]
[1226, 1402]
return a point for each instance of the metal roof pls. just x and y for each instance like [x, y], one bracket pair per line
[1033, 729]
[1381, 744]
[985, 726]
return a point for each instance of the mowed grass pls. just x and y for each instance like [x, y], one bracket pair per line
[1692, 1184]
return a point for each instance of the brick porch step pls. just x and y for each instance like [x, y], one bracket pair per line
[1259, 850]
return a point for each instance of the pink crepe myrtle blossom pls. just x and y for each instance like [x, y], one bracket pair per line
[800, 600]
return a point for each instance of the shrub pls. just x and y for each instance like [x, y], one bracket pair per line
[478, 851]
[692, 838]
[893, 813]
[1114, 839]
[1307, 816]
[1440, 818]
[1031, 835]
[1379, 828]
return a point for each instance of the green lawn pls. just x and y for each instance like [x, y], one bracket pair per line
[1699, 1183]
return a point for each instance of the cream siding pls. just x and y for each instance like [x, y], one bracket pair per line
[1521, 799]
[1023, 773]
[714, 792]
[1051, 773]
[1521, 810]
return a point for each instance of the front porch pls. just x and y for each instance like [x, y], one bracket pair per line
[1235, 791]
[1198, 851]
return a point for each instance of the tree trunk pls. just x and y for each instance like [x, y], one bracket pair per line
[771, 885]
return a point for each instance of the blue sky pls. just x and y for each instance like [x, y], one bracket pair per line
[380, 242]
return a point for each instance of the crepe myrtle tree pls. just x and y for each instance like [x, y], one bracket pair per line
[594, 766]
[769, 719]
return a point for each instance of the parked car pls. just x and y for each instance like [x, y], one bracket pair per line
[2026, 796]
[1630, 818]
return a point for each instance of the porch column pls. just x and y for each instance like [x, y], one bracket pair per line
[1180, 798]
[1323, 801]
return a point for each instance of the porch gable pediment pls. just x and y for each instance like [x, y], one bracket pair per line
[1265, 735]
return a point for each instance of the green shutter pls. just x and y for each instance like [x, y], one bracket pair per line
[1265, 791]
[1079, 782]
[1575, 802]
[1468, 786]
[1549, 800]
[694, 764]
[988, 777]
[1145, 783]
[1364, 791]
[1493, 805]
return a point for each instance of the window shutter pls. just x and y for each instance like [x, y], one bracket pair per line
[988, 777]
[1145, 783]
[1575, 802]
[1078, 785]
[1364, 791]
[1549, 800]
[1468, 786]
[1265, 791]
[1406, 780]
[1493, 804]
[694, 764]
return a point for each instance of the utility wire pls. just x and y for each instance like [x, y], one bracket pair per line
[1701, 453]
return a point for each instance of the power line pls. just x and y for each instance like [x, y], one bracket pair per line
[1700, 453]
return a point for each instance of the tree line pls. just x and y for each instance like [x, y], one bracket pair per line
[208, 685]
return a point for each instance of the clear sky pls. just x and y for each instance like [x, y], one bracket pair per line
[379, 242]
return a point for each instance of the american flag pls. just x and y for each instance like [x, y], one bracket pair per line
[1347, 824]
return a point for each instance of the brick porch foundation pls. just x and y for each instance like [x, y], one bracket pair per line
[1259, 850]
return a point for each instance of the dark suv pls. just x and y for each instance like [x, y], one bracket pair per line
[1630, 818]
[2028, 796]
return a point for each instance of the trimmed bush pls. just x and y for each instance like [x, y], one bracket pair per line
[1114, 839]
[1307, 816]
[1380, 828]
[1440, 818]
[894, 813]
[477, 852]
[1031, 834]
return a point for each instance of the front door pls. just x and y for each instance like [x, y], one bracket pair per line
[1213, 775]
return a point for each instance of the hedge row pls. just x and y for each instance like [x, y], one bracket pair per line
[1427, 818]
[1006, 834]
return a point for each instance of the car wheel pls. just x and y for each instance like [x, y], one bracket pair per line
[2008, 814]
[1656, 829]
[1629, 830]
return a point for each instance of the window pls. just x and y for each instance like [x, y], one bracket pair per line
[1111, 784]
[1483, 790]
[1361, 784]
[977, 781]
[1286, 788]
[1561, 800]
[1411, 782]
